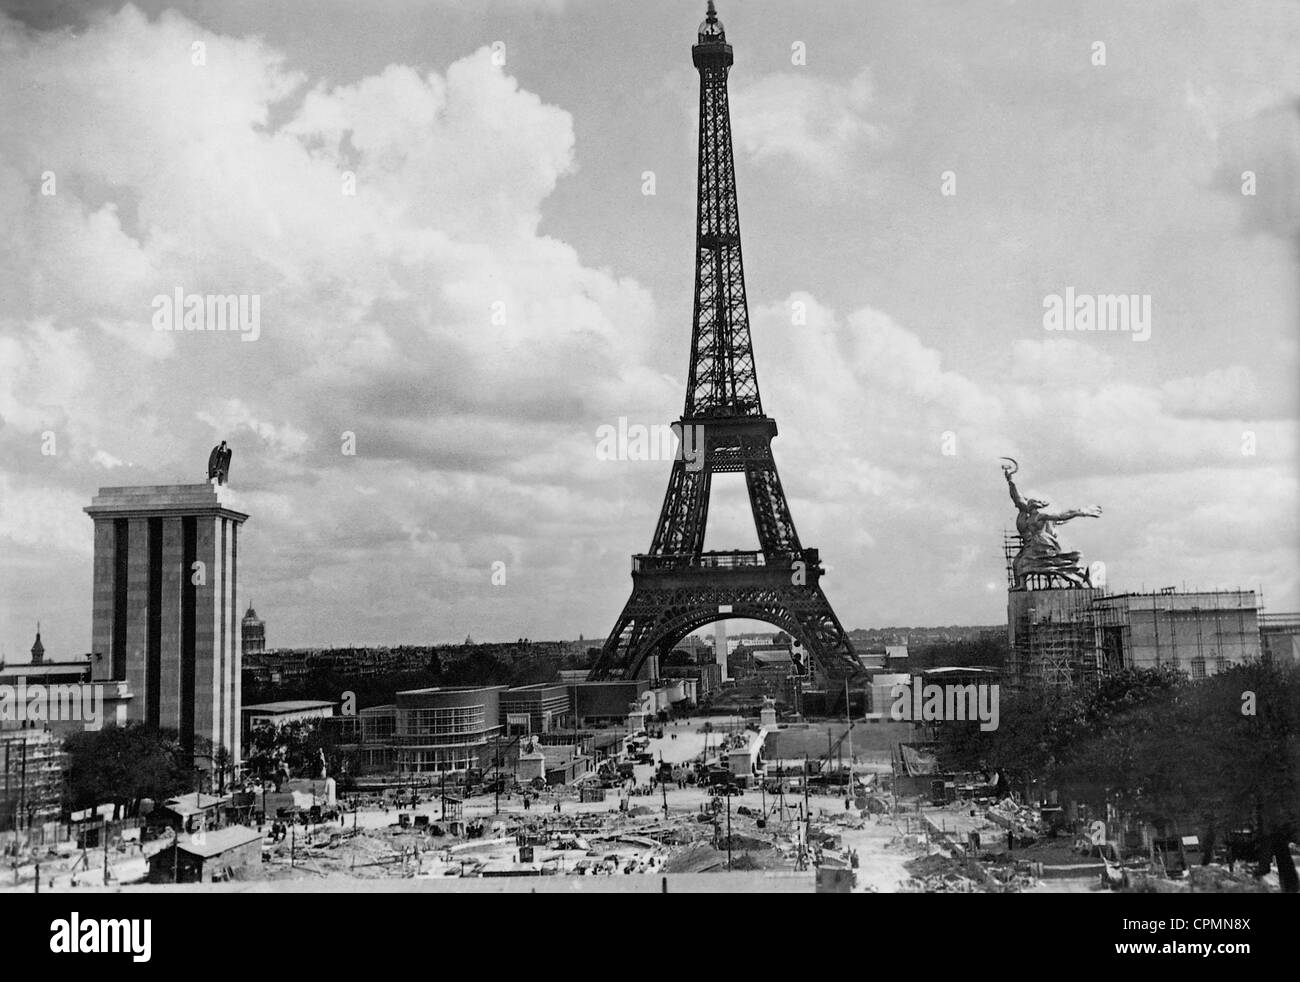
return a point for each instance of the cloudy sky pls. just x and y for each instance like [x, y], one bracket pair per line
[500, 285]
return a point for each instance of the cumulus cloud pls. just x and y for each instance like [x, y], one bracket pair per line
[397, 226]
[425, 314]
[818, 123]
[891, 457]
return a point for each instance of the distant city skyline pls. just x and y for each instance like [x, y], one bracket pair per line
[593, 640]
[469, 229]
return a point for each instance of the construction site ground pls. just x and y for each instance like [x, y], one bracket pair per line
[907, 846]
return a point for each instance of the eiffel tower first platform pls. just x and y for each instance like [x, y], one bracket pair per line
[677, 587]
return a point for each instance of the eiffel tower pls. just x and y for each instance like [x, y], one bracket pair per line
[677, 587]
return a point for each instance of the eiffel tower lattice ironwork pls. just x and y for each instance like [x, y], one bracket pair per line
[677, 587]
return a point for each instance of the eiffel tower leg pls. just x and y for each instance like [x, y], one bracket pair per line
[823, 636]
[624, 652]
[772, 521]
[684, 513]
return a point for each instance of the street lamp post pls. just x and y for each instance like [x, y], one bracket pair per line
[728, 833]
[663, 786]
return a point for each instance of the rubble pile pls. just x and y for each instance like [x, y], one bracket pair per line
[1022, 822]
[1217, 878]
[939, 873]
[698, 857]
[936, 873]
[1214, 878]
[740, 841]
[1014, 877]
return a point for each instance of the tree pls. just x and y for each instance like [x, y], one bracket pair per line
[1215, 755]
[1070, 736]
[1247, 760]
[1110, 750]
[1035, 729]
[124, 765]
[222, 761]
[988, 650]
[279, 752]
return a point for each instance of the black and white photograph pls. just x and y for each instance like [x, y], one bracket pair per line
[417, 479]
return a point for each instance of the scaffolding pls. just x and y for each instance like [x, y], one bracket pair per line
[1201, 633]
[1051, 629]
[1053, 637]
[1063, 635]
[1279, 637]
[1114, 636]
[31, 789]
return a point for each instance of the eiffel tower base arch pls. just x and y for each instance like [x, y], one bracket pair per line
[667, 605]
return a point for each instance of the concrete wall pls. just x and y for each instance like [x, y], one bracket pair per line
[1179, 629]
[607, 700]
[882, 687]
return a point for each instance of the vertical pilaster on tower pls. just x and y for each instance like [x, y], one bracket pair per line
[164, 618]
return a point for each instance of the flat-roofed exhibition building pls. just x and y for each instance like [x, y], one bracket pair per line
[164, 616]
[446, 728]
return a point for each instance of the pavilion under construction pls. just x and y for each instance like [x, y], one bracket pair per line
[1077, 634]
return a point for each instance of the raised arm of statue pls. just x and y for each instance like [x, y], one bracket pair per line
[1019, 502]
[1064, 516]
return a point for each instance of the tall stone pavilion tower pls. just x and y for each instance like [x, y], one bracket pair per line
[165, 619]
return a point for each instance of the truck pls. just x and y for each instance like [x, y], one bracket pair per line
[473, 778]
[719, 776]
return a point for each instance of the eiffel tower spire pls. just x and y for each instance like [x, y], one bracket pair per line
[677, 587]
[722, 379]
